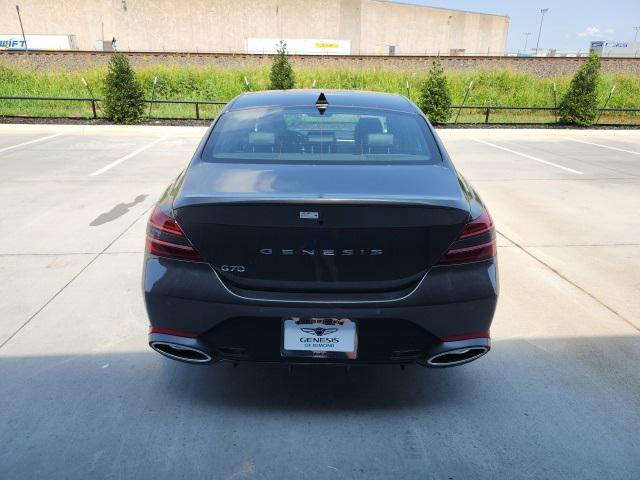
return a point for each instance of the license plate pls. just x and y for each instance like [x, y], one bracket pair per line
[319, 337]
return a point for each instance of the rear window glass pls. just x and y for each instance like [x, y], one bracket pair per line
[303, 134]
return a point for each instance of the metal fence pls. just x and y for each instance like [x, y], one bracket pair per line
[473, 114]
[627, 116]
[95, 101]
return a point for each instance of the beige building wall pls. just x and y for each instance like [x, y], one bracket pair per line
[223, 25]
[416, 29]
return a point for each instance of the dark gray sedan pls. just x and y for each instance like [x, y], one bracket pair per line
[321, 227]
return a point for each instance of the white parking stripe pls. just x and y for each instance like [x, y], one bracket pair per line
[42, 139]
[605, 146]
[127, 157]
[530, 157]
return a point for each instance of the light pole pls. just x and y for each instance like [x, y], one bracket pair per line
[543, 11]
[26, 47]
[637, 29]
[526, 40]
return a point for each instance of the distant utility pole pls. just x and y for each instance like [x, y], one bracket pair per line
[21, 28]
[526, 40]
[637, 29]
[543, 11]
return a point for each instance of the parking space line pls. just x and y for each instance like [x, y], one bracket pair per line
[127, 157]
[605, 146]
[23, 144]
[530, 157]
[74, 277]
[564, 277]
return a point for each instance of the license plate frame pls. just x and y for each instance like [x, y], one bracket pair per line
[345, 330]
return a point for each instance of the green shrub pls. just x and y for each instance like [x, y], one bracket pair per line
[123, 95]
[435, 97]
[579, 106]
[281, 75]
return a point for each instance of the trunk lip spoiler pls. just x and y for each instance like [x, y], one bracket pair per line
[200, 200]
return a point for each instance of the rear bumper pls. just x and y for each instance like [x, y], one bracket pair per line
[452, 308]
[432, 357]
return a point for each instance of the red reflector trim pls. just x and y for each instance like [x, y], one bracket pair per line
[166, 331]
[465, 336]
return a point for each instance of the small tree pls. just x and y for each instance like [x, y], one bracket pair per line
[281, 74]
[435, 97]
[579, 106]
[123, 95]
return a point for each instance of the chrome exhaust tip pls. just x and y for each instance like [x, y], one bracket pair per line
[181, 352]
[457, 356]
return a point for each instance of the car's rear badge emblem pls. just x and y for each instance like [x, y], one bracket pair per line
[309, 215]
[319, 331]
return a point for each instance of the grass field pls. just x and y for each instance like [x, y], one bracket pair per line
[507, 88]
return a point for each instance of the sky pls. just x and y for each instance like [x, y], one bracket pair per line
[569, 25]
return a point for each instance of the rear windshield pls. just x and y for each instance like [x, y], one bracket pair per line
[303, 134]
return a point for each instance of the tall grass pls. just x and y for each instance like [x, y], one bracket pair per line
[490, 87]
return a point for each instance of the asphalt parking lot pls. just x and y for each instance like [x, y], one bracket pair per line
[82, 396]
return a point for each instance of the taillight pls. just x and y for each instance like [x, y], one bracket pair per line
[476, 242]
[165, 238]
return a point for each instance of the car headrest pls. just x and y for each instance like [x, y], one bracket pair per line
[262, 138]
[380, 140]
[365, 126]
[274, 123]
[369, 125]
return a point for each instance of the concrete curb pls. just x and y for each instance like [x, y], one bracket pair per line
[146, 130]
[533, 132]
[183, 131]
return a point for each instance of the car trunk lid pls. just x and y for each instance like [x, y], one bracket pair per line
[308, 228]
